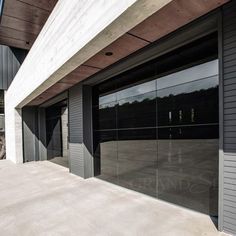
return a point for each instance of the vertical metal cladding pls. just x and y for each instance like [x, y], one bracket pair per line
[76, 157]
[228, 218]
[30, 133]
[87, 131]
[76, 114]
[80, 131]
[9, 65]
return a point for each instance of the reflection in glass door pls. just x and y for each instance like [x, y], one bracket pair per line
[161, 137]
[188, 135]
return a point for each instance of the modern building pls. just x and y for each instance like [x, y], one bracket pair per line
[139, 93]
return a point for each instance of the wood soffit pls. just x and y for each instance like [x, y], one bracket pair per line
[22, 21]
[171, 17]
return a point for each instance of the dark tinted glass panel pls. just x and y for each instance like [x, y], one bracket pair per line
[156, 127]
[137, 160]
[137, 134]
[138, 111]
[189, 132]
[189, 103]
[188, 143]
[105, 113]
[187, 173]
[107, 116]
[106, 150]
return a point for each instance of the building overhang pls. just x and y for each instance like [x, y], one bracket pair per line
[171, 17]
[61, 58]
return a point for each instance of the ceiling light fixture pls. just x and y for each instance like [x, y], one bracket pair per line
[109, 54]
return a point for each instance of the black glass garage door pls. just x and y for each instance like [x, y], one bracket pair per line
[188, 131]
[160, 137]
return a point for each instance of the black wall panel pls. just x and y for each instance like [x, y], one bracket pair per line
[76, 130]
[228, 191]
[80, 131]
[30, 134]
[10, 61]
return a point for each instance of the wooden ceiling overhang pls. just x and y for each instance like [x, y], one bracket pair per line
[171, 17]
[22, 21]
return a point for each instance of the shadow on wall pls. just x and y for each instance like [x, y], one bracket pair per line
[45, 133]
[2, 145]
[2, 127]
[30, 134]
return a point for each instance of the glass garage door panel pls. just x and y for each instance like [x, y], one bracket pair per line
[106, 150]
[137, 160]
[107, 116]
[161, 137]
[137, 145]
[137, 112]
[188, 144]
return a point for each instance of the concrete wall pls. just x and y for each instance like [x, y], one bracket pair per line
[74, 32]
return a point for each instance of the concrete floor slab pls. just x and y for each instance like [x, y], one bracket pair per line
[42, 198]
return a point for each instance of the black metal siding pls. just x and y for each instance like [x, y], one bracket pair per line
[76, 131]
[87, 131]
[30, 133]
[229, 117]
[80, 131]
[76, 114]
[9, 65]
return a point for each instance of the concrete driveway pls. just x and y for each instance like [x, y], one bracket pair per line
[42, 198]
